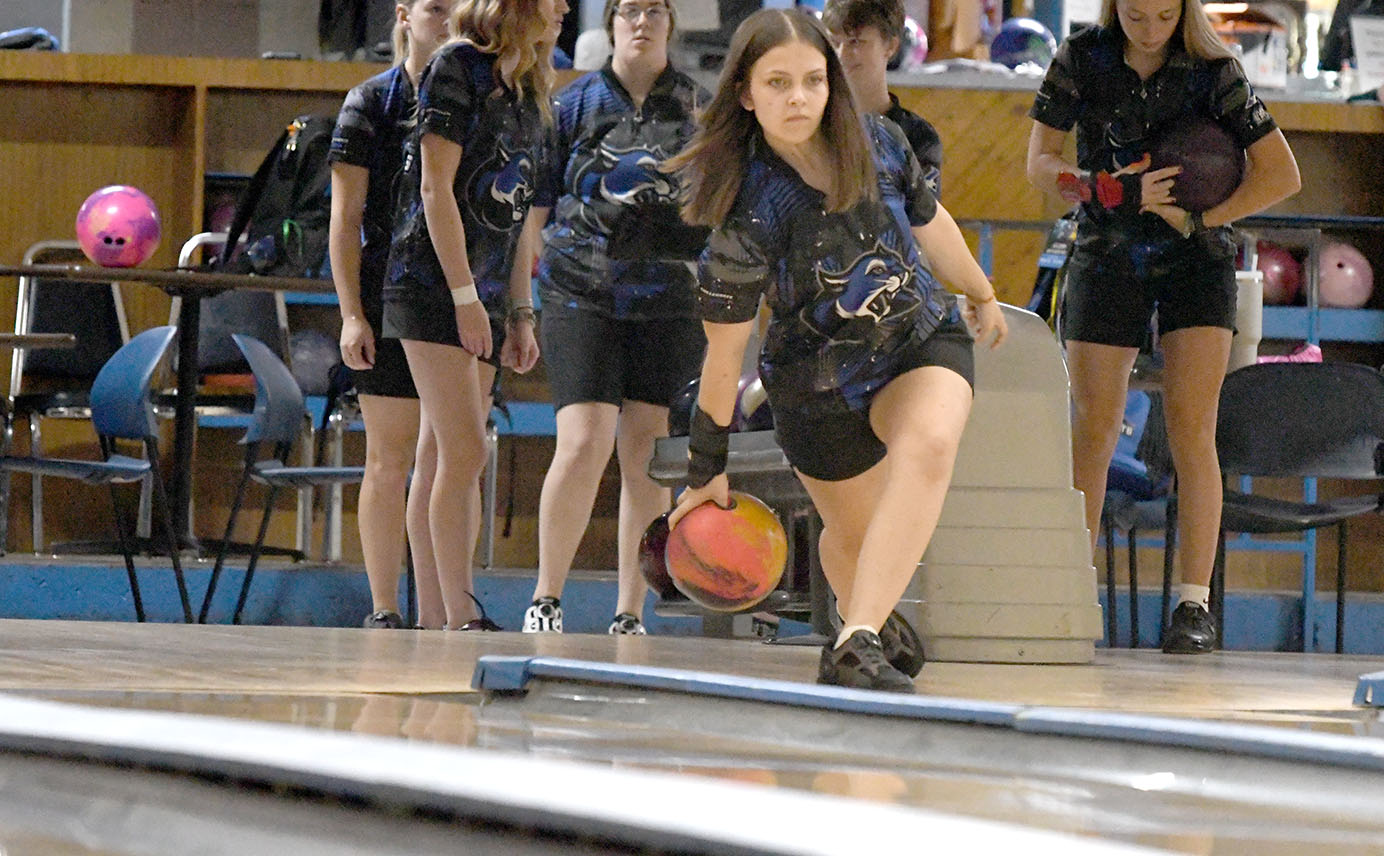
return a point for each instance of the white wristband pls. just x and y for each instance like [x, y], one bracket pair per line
[465, 296]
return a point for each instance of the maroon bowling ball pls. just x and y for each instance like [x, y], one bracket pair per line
[1212, 162]
[652, 564]
[1282, 274]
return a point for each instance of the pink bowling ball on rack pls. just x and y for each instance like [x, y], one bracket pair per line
[118, 226]
[1344, 277]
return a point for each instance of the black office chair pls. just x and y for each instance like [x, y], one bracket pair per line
[1307, 421]
[226, 397]
[1139, 487]
[56, 384]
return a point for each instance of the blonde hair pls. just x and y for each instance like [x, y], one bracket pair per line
[1198, 36]
[510, 29]
[713, 164]
[398, 37]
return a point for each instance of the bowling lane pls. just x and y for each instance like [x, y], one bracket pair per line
[416, 686]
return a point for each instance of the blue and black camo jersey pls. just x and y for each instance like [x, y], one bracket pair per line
[923, 138]
[375, 119]
[1117, 116]
[847, 290]
[501, 136]
[603, 177]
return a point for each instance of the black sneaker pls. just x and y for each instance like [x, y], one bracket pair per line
[1191, 631]
[903, 648]
[482, 623]
[385, 619]
[861, 663]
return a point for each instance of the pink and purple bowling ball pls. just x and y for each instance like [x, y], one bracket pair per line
[118, 226]
[1344, 277]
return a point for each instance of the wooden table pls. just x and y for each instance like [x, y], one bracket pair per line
[191, 286]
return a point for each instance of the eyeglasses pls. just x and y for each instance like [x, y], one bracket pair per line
[632, 13]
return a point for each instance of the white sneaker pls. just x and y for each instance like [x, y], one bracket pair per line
[627, 624]
[544, 616]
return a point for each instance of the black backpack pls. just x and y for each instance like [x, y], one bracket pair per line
[285, 212]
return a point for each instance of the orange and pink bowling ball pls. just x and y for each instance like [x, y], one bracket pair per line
[118, 226]
[727, 559]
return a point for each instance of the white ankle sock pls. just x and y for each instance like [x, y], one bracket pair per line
[848, 630]
[1200, 595]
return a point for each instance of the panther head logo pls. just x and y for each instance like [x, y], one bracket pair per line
[502, 187]
[869, 283]
[623, 177]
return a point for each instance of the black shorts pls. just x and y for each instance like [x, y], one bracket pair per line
[829, 444]
[1112, 288]
[421, 320]
[389, 377]
[591, 356]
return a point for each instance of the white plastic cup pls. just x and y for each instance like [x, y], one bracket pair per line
[1249, 319]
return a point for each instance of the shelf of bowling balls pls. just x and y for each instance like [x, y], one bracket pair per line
[1315, 322]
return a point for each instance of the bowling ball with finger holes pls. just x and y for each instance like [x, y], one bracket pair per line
[653, 565]
[1212, 162]
[118, 226]
[727, 559]
[1345, 279]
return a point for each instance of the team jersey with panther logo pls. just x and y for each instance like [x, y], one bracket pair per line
[501, 136]
[374, 120]
[1118, 116]
[847, 290]
[604, 183]
[922, 138]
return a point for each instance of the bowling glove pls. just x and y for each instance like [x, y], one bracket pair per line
[1111, 192]
[708, 445]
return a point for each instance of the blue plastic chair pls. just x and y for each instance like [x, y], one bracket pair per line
[279, 418]
[122, 409]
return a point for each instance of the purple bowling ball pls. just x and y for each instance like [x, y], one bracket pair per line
[118, 226]
[1212, 162]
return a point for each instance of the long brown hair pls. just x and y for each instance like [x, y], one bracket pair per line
[713, 163]
[1198, 36]
[510, 28]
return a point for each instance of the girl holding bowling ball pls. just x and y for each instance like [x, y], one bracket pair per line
[867, 361]
[1148, 66]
